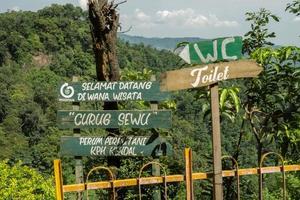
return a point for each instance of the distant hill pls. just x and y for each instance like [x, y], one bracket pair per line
[158, 43]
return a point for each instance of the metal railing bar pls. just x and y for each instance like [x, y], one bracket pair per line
[174, 178]
[236, 164]
[90, 186]
[140, 180]
[263, 158]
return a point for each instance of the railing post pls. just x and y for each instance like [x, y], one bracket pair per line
[188, 174]
[58, 180]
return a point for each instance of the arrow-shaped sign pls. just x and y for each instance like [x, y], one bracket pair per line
[203, 75]
[209, 51]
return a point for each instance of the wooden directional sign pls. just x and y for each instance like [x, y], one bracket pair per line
[209, 51]
[114, 119]
[204, 75]
[114, 146]
[111, 91]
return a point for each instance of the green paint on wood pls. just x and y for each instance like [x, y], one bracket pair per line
[210, 51]
[113, 119]
[114, 146]
[111, 91]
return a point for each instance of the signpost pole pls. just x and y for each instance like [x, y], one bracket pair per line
[210, 73]
[78, 159]
[188, 174]
[216, 142]
[155, 168]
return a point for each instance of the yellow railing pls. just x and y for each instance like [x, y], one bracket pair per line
[188, 178]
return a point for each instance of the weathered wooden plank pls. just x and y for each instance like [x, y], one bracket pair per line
[204, 75]
[111, 91]
[209, 51]
[113, 146]
[114, 119]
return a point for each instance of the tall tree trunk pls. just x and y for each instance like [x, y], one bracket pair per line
[104, 25]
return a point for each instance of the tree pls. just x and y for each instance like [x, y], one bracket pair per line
[21, 182]
[294, 7]
[104, 21]
[104, 25]
[259, 34]
[272, 104]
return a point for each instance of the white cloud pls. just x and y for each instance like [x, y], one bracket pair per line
[296, 19]
[83, 4]
[141, 16]
[139, 19]
[185, 18]
[169, 23]
[188, 17]
[15, 8]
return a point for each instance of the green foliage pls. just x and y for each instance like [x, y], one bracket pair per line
[21, 182]
[293, 185]
[259, 34]
[138, 57]
[273, 99]
[230, 103]
[272, 195]
[43, 82]
[294, 7]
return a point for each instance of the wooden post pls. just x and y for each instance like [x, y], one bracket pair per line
[216, 142]
[188, 174]
[156, 172]
[155, 168]
[58, 180]
[78, 159]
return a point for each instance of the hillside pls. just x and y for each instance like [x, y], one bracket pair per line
[38, 51]
[158, 43]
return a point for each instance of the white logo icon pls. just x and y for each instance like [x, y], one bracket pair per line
[66, 91]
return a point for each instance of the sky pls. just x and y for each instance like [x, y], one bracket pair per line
[187, 18]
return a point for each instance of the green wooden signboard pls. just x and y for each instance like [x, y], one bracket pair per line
[111, 91]
[114, 119]
[209, 51]
[114, 146]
